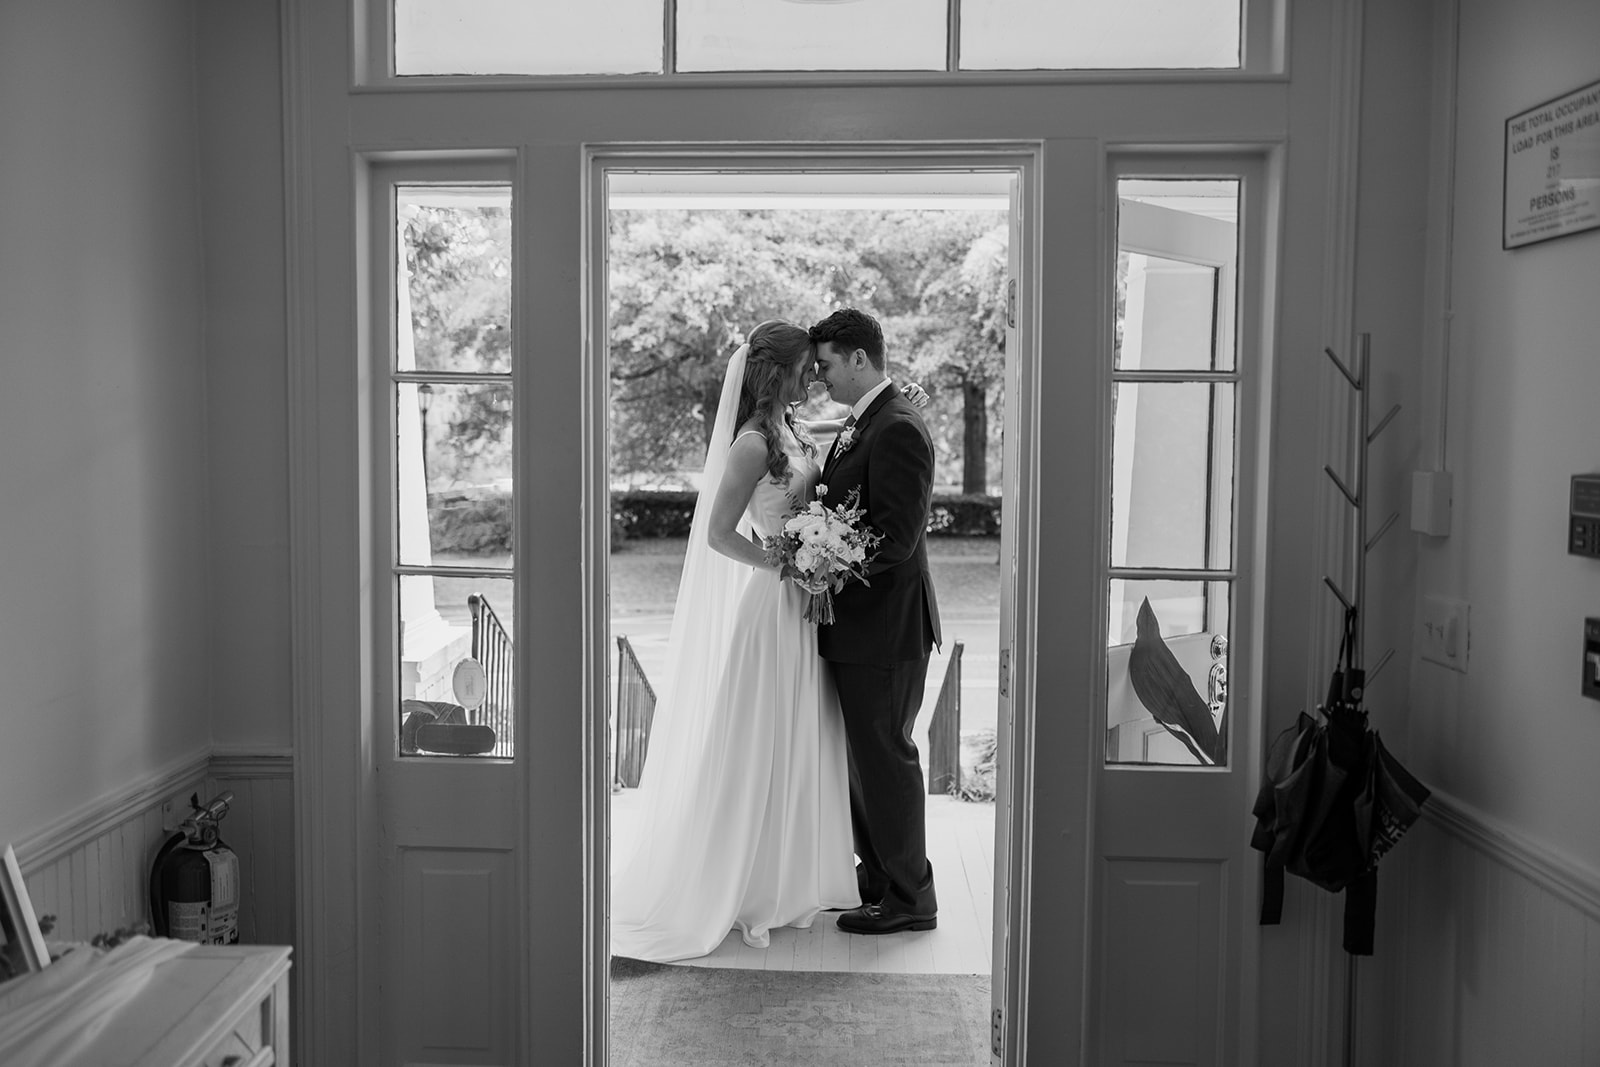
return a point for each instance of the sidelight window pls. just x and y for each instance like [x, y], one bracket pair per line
[451, 400]
[1175, 384]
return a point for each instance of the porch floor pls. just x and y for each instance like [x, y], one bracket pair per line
[961, 849]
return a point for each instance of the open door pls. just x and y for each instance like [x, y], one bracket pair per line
[1005, 777]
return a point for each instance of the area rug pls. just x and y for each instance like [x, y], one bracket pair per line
[665, 1016]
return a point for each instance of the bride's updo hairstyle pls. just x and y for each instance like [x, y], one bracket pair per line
[779, 351]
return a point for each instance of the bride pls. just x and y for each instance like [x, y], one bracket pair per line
[745, 797]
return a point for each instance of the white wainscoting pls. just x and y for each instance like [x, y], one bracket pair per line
[91, 868]
[1499, 949]
[260, 829]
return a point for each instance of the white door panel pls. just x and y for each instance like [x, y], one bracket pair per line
[441, 893]
[1171, 837]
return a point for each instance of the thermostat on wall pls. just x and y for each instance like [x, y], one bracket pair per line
[1583, 527]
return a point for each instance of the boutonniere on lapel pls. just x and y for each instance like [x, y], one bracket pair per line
[847, 437]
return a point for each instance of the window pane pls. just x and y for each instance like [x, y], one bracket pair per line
[811, 35]
[456, 441]
[1167, 673]
[1097, 34]
[528, 37]
[455, 263]
[1177, 257]
[1166, 316]
[1172, 475]
[456, 666]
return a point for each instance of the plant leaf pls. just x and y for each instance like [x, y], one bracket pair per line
[1167, 692]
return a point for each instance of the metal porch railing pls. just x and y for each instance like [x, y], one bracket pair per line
[636, 707]
[491, 647]
[944, 731]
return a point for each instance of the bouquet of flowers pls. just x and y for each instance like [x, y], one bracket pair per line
[824, 548]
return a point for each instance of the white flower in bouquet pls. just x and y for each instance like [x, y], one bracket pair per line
[822, 548]
[807, 558]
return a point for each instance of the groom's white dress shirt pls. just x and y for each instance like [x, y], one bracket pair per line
[865, 402]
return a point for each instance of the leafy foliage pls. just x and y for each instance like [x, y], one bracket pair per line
[685, 287]
[458, 264]
[481, 524]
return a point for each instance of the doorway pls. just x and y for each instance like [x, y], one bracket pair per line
[969, 238]
[1123, 483]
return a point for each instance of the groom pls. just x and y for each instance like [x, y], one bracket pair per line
[878, 645]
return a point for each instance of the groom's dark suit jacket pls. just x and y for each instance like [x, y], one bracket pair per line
[896, 617]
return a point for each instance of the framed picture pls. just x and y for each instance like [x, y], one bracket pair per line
[1552, 169]
[21, 943]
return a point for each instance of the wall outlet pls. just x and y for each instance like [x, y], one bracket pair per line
[1444, 632]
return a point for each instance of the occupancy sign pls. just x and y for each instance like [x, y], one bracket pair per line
[1553, 169]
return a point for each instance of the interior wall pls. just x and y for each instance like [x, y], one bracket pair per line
[1513, 736]
[103, 426]
[1388, 290]
[1302, 969]
[1501, 937]
[242, 183]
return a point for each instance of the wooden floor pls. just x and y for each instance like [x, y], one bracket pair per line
[961, 849]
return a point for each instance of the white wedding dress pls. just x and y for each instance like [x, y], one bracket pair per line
[746, 824]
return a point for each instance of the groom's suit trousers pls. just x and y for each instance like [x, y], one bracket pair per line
[879, 702]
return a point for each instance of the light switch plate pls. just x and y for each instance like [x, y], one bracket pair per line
[1444, 632]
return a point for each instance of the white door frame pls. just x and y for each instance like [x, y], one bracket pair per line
[334, 119]
[1013, 890]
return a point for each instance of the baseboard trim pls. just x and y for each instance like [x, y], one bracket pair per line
[78, 828]
[1551, 871]
[252, 763]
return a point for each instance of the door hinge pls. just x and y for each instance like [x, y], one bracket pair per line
[1011, 303]
[1005, 672]
[997, 1033]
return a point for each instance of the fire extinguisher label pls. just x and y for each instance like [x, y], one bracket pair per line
[224, 896]
[213, 922]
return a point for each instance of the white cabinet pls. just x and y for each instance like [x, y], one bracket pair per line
[212, 1006]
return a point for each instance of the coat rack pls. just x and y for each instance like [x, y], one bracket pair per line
[1360, 380]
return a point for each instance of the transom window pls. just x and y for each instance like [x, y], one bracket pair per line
[556, 37]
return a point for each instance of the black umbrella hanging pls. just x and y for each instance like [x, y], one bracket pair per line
[1332, 802]
[1332, 799]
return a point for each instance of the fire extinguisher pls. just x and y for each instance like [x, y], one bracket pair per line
[194, 882]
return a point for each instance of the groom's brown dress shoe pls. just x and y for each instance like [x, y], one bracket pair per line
[874, 919]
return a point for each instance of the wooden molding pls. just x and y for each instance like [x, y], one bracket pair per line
[245, 762]
[1558, 874]
[78, 828]
[1323, 978]
[312, 980]
[186, 774]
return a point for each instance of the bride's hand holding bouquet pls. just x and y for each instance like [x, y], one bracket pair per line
[823, 548]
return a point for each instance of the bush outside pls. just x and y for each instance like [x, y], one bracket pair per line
[480, 524]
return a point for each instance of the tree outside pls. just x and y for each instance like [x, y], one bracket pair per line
[687, 285]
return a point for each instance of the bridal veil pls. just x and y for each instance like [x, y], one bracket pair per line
[697, 649]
